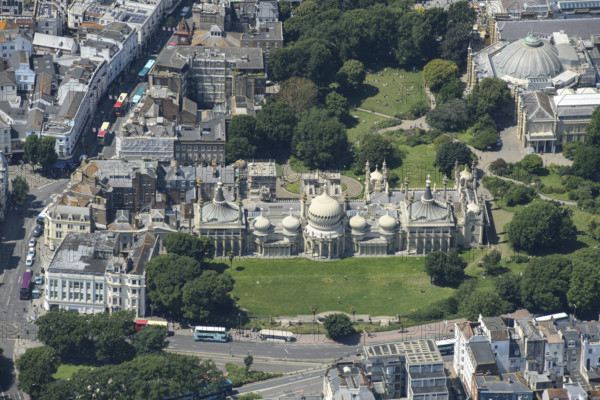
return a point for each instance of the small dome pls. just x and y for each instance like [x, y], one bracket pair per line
[241, 164]
[291, 223]
[376, 176]
[473, 208]
[324, 211]
[387, 222]
[465, 174]
[358, 223]
[262, 224]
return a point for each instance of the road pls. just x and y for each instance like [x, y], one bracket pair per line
[16, 231]
[307, 383]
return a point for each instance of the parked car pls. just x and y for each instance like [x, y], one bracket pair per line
[31, 253]
[29, 261]
[39, 280]
[32, 242]
[37, 232]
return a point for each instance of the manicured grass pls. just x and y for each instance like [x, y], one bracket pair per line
[554, 180]
[66, 371]
[416, 164]
[365, 121]
[373, 95]
[377, 286]
[293, 187]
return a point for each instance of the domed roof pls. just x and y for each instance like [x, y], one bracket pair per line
[324, 211]
[465, 174]
[376, 176]
[473, 208]
[262, 224]
[358, 223]
[291, 223]
[387, 222]
[219, 210]
[528, 58]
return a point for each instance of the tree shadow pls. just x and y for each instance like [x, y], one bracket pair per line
[493, 235]
[7, 378]
[350, 340]
[239, 268]
[364, 92]
[218, 267]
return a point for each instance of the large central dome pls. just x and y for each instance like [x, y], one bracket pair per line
[324, 212]
[528, 58]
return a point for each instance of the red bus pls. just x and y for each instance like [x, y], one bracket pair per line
[141, 323]
[119, 107]
[103, 133]
[26, 285]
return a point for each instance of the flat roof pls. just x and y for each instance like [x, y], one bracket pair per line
[418, 351]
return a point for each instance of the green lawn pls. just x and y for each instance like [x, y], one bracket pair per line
[373, 95]
[377, 286]
[66, 371]
[417, 163]
[365, 121]
[554, 180]
[294, 187]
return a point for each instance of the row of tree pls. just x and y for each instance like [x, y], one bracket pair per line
[40, 151]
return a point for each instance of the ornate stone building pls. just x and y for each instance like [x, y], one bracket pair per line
[387, 222]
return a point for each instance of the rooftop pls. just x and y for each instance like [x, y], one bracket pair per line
[84, 252]
[421, 351]
[482, 353]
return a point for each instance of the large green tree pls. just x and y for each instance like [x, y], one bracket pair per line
[584, 288]
[30, 149]
[452, 115]
[540, 227]
[374, 148]
[207, 297]
[449, 153]
[489, 96]
[351, 75]
[20, 188]
[587, 162]
[320, 141]
[592, 130]
[545, 283]
[456, 44]
[337, 105]
[154, 376]
[508, 287]
[531, 163]
[484, 133]
[200, 249]
[484, 302]
[150, 340]
[337, 326]
[276, 121]
[36, 367]
[46, 152]
[112, 334]
[68, 333]
[445, 268]
[165, 277]
[299, 93]
[437, 72]
[239, 148]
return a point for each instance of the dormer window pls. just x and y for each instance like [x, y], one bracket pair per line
[70, 217]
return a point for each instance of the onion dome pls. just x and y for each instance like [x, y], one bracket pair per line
[465, 174]
[473, 208]
[376, 176]
[241, 164]
[324, 211]
[358, 223]
[291, 223]
[528, 58]
[387, 222]
[262, 224]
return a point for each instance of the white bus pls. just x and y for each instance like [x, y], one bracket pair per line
[272, 335]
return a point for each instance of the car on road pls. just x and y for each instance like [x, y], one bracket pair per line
[37, 232]
[29, 261]
[31, 253]
[32, 242]
[39, 280]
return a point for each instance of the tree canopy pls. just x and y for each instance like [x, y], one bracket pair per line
[351, 75]
[592, 130]
[150, 340]
[484, 133]
[586, 163]
[545, 283]
[453, 115]
[374, 148]
[36, 367]
[449, 153]
[319, 140]
[200, 249]
[540, 226]
[20, 188]
[337, 326]
[445, 268]
[488, 97]
[299, 93]
[437, 72]
[484, 302]
[30, 149]
[46, 152]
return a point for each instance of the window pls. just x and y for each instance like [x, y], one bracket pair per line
[70, 226]
[58, 235]
[133, 291]
[58, 226]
